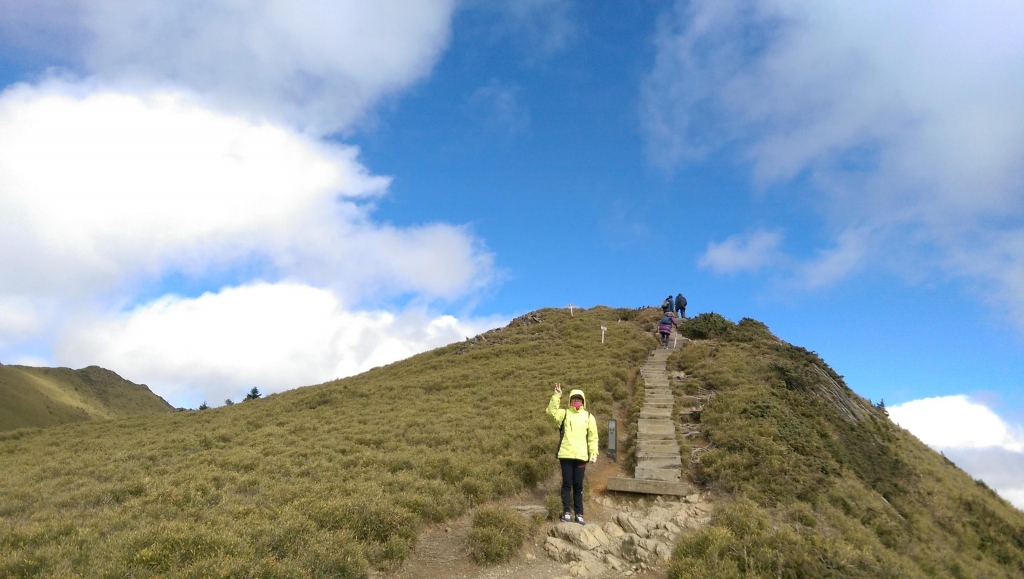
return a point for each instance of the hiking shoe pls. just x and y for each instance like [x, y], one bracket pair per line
[579, 519]
[566, 517]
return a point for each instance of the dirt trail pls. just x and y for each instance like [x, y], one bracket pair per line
[441, 552]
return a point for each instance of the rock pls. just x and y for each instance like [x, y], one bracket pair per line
[556, 548]
[655, 549]
[612, 530]
[529, 510]
[614, 562]
[631, 525]
[671, 527]
[531, 557]
[629, 547]
[564, 552]
[586, 537]
[586, 569]
[693, 498]
[656, 516]
[597, 532]
[693, 523]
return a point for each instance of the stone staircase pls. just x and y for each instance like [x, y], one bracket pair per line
[658, 464]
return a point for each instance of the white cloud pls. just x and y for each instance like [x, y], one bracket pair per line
[915, 142]
[185, 142]
[749, 252]
[317, 64]
[1001, 469]
[833, 264]
[546, 26]
[274, 336]
[972, 436]
[100, 188]
[500, 105]
[956, 422]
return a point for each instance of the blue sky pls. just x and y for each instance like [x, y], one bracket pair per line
[210, 198]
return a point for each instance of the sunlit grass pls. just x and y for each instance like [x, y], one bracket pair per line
[809, 492]
[324, 481]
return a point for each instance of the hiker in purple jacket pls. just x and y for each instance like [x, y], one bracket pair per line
[665, 326]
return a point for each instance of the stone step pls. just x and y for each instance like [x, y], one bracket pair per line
[656, 412]
[673, 451]
[656, 436]
[662, 474]
[649, 487]
[663, 462]
[657, 447]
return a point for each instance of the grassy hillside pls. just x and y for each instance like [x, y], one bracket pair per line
[39, 397]
[819, 483]
[323, 481]
[331, 480]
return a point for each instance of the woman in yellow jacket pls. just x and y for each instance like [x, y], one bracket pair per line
[578, 446]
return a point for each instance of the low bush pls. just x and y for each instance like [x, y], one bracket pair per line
[497, 534]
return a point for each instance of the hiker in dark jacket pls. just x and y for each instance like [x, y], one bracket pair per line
[666, 306]
[665, 327]
[681, 305]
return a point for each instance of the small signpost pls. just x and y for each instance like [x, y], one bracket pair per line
[613, 445]
[602, 333]
[570, 308]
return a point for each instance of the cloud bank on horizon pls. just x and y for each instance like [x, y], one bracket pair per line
[185, 143]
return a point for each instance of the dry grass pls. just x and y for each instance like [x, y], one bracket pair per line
[41, 397]
[811, 492]
[323, 481]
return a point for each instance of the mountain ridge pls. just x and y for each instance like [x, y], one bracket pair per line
[37, 397]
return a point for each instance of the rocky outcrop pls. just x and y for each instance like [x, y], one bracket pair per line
[638, 536]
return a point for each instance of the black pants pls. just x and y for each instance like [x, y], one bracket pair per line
[572, 483]
[664, 339]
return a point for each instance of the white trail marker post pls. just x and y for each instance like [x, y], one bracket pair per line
[570, 308]
[602, 333]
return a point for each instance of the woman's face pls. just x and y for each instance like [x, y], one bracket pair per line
[576, 403]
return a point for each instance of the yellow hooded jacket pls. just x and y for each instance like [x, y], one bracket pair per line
[580, 439]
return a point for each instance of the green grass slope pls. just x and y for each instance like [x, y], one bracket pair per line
[817, 482]
[335, 479]
[39, 397]
[322, 481]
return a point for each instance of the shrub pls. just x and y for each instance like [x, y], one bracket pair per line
[497, 534]
[705, 326]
